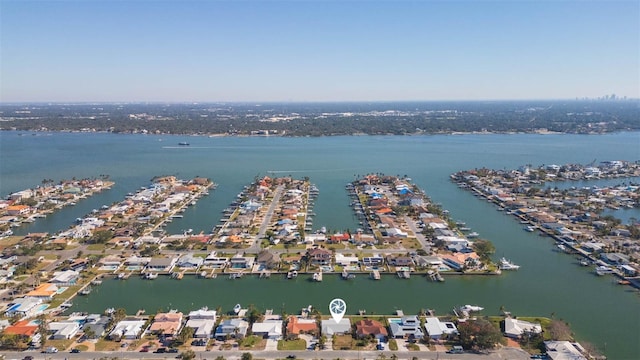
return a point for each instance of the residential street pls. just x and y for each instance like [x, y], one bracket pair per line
[505, 353]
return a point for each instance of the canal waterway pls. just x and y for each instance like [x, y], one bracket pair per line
[547, 283]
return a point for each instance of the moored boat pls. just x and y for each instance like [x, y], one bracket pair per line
[508, 265]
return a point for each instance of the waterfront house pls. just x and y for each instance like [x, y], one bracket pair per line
[319, 256]
[44, 292]
[96, 326]
[615, 258]
[24, 307]
[515, 328]
[202, 321]
[407, 327]
[297, 325]
[68, 277]
[331, 327]
[136, 262]
[346, 260]
[368, 327]
[313, 238]
[375, 260]
[17, 210]
[63, 330]
[215, 262]
[268, 329]
[339, 237]
[628, 270]
[127, 329]
[564, 350]
[189, 261]
[436, 328]
[161, 264]
[399, 260]
[166, 324]
[457, 261]
[592, 246]
[239, 262]
[268, 259]
[233, 328]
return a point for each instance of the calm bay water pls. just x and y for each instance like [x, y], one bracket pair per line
[548, 282]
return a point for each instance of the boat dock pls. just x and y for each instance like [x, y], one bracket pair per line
[375, 275]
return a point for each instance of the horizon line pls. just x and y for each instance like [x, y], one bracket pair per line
[159, 102]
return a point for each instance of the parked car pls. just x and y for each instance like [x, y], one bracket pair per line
[456, 350]
[51, 350]
[172, 350]
[75, 351]
[161, 350]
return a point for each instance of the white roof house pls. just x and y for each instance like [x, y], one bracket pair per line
[202, 327]
[436, 328]
[563, 350]
[514, 328]
[405, 327]
[127, 329]
[202, 321]
[190, 261]
[65, 277]
[330, 327]
[346, 260]
[26, 306]
[64, 329]
[269, 328]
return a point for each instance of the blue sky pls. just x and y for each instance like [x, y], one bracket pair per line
[317, 50]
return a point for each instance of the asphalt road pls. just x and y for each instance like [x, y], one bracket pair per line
[505, 353]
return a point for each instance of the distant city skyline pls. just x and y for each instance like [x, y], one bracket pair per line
[317, 51]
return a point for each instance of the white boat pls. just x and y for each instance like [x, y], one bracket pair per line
[150, 276]
[508, 265]
[85, 291]
[602, 270]
[292, 274]
[529, 229]
[471, 308]
[317, 276]
[473, 235]
[237, 308]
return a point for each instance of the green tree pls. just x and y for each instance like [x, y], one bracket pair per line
[479, 334]
[43, 328]
[188, 355]
[253, 314]
[151, 250]
[246, 356]
[484, 248]
[101, 237]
